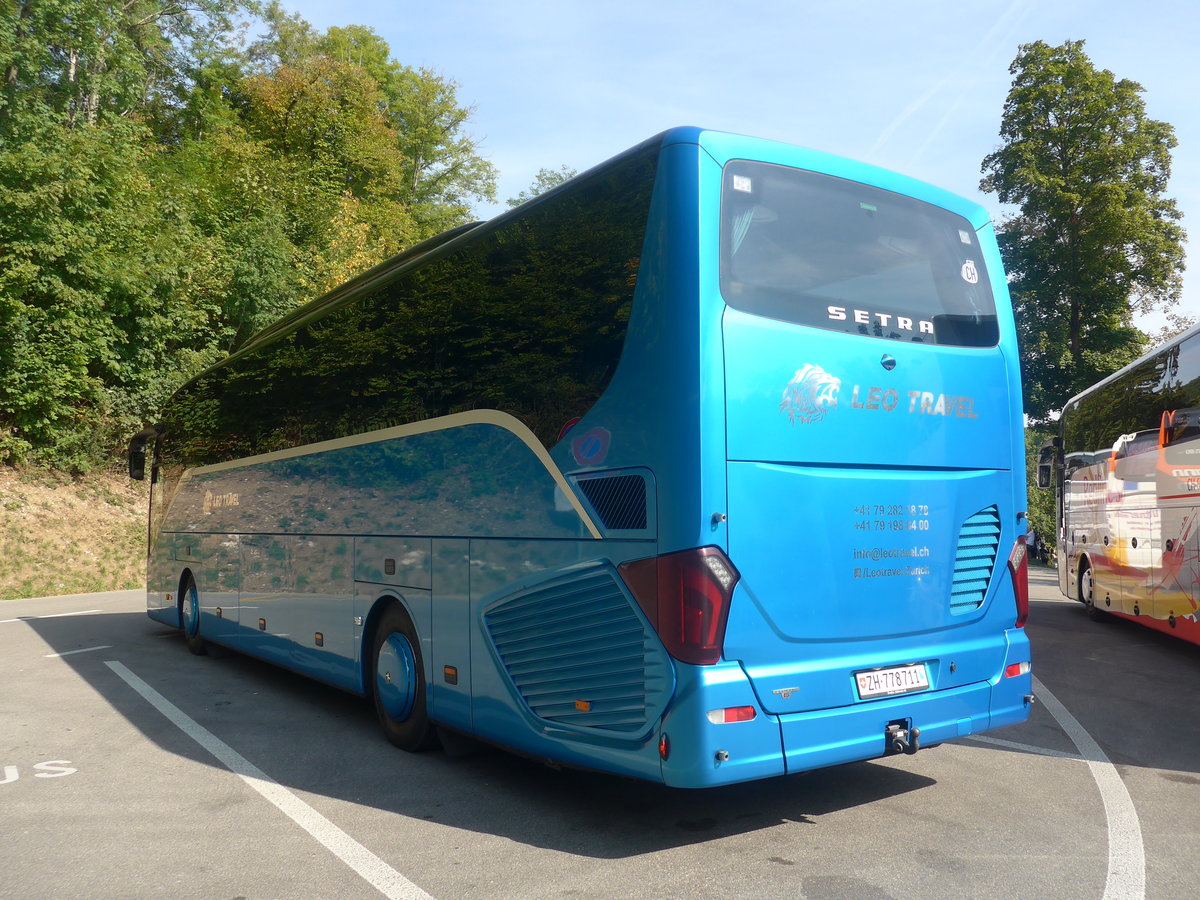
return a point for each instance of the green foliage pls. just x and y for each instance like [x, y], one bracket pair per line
[165, 192]
[1042, 517]
[441, 170]
[545, 180]
[1095, 238]
[76, 284]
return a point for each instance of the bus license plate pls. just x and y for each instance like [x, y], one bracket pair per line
[896, 680]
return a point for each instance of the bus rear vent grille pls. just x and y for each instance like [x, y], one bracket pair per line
[580, 656]
[978, 541]
[619, 500]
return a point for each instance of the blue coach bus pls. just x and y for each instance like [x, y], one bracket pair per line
[705, 466]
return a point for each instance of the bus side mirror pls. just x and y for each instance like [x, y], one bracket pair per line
[1047, 456]
[137, 452]
[1045, 475]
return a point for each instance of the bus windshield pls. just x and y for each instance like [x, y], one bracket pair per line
[819, 250]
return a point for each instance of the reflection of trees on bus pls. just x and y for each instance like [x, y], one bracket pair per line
[529, 319]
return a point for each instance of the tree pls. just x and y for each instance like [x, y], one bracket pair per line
[84, 61]
[542, 182]
[1041, 514]
[443, 171]
[166, 191]
[1095, 239]
[94, 273]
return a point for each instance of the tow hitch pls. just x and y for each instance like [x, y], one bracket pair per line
[902, 738]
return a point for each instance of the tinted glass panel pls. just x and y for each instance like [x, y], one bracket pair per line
[1138, 432]
[528, 318]
[840, 255]
[1122, 417]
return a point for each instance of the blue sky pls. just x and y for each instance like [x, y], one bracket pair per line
[917, 87]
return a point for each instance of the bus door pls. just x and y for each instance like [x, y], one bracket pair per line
[1135, 519]
[1085, 485]
[296, 603]
[1100, 544]
[266, 575]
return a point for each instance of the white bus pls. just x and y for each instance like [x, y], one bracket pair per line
[1126, 465]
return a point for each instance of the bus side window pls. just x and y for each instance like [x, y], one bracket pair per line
[1180, 426]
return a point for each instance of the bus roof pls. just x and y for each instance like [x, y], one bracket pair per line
[721, 146]
[1148, 355]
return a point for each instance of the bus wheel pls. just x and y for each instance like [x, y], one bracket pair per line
[189, 616]
[398, 682]
[1087, 593]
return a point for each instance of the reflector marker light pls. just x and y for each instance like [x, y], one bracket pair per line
[732, 714]
[1021, 668]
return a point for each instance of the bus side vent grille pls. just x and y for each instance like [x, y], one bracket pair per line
[580, 656]
[619, 500]
[978, 541]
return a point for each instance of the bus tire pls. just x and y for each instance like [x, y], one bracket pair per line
[397, 682]
[189, 616]
[1087, 595]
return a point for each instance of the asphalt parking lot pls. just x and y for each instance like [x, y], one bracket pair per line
[129, 768]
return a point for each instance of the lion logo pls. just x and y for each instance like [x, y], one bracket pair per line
[810, 394]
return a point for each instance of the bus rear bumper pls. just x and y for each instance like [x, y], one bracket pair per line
[704, 754]
[831, 737]
[701, 753]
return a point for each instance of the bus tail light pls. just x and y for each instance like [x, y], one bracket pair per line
[732, 714]
[686, 597]
[1018, 568]
[1021, 668]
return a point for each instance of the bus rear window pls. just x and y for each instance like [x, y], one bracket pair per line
[840, 255]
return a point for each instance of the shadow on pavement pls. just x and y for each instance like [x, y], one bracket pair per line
[317, 739]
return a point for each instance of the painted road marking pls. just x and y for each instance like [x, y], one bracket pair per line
[52, 768]
[1126, 876]
[73, 652]
[83, 612]
[374, 870]
[1023, 748]
[1126, 879]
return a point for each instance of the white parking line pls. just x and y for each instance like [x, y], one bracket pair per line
[1024, 748]
[73, 652]
[82, 612]
[379, 874]
[1126, 878]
